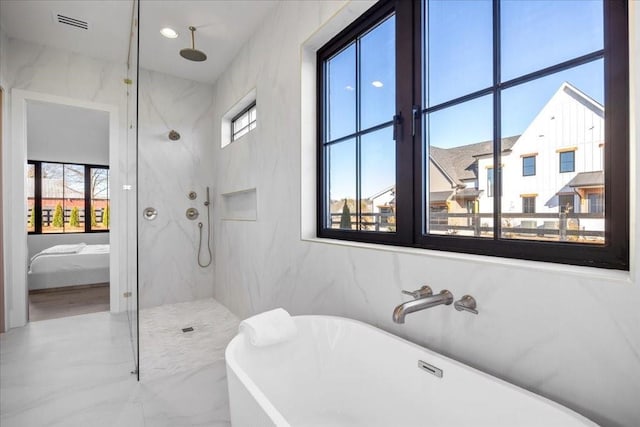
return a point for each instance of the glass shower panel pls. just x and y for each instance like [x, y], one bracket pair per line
[129, 189]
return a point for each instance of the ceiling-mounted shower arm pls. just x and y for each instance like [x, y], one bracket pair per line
[193, 37]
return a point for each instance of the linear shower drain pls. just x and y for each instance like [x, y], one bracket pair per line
[189, 329]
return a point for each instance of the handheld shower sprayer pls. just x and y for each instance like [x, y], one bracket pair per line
[207, 203]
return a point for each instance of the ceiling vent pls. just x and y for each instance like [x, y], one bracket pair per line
[78, 23]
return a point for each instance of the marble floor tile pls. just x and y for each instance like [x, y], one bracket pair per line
[165, 349]
[75, 371]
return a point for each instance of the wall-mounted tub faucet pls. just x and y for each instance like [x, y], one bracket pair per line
[423, 299]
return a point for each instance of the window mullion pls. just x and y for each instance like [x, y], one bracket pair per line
[358, 138]
[87, 199]
[497, 131]
[407, 145]
[37, 195]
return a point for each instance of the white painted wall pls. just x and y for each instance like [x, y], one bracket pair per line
[167, 172]
[569, 333]
[68, 134]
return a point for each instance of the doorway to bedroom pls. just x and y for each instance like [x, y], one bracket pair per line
[68, 210]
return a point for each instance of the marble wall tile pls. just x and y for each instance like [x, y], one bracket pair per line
[547, 328]
[167, 171]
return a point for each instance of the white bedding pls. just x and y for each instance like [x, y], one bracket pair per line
[85, 257]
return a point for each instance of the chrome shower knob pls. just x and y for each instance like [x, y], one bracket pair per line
[192, 213]
[149, 214]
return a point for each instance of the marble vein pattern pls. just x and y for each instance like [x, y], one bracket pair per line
[167, 172]
[541, 327]
[75, 371]
[165, 349]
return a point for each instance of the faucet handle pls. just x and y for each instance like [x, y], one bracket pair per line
[424, 291]
[466, 303]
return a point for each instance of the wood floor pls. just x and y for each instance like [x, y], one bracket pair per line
[54, 303]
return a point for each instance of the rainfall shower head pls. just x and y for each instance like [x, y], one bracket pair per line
[193, 54]
[174, 136]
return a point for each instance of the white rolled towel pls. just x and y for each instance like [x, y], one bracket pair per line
[270, 327]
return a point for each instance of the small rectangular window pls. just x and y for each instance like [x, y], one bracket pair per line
[529, 166]
[567, 161]
[528, 205]
[244, 122]
[490, 182]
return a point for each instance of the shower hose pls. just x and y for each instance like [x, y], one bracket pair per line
[207, 264]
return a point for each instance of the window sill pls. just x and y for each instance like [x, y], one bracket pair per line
[614, 276]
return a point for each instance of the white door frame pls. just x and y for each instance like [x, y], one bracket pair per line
[15, 235]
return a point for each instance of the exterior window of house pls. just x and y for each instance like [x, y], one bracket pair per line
[566, 203]
[567, 161]
[529, 166]
[67, 198]
[244, 122]
[596, 203]
[529, 205]
[395, 86]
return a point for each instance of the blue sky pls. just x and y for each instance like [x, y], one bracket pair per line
[459, 37]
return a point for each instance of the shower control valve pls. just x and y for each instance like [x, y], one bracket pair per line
[424, 291]
[192, 213]
[466, 303]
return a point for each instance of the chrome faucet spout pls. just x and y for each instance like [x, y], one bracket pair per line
[443, 298]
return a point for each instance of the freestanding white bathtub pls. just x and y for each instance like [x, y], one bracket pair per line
[341, 372]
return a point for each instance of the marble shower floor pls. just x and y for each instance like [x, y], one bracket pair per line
[165, 349]
[75, 371]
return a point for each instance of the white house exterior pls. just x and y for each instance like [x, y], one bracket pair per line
[570, 126]
[554, 167]
[569, 122]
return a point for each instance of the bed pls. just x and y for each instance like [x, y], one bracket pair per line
[68, 265]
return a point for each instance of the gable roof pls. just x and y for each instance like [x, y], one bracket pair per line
[459, 163]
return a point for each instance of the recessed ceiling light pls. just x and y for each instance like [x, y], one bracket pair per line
[377, 83]
[169, 33]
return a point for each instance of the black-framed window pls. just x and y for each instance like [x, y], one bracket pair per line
[567, 161]
[528, 204]
[528, 165]
[469, 80]
[67, 198]
[244, 122]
